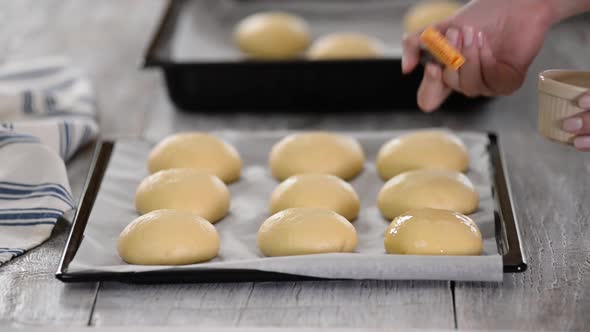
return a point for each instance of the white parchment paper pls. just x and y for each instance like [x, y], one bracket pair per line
[114, 209]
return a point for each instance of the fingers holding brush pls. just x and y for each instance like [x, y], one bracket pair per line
[432, 91]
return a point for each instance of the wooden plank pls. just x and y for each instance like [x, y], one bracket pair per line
[31, 296]
[551, 186]
[220, 329]
[554, 293]
[208, 304]
[105, 38]
[376, 304]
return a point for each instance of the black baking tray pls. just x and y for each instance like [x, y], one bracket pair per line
[507, 233]
[220, 82]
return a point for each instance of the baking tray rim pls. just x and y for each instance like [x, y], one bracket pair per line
[513, 259]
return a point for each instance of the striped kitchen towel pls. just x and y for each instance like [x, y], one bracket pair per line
[47, 112]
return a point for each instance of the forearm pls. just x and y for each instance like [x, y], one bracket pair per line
[562, 9]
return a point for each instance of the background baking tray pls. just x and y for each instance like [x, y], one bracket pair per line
[204, 70]
[506, 231]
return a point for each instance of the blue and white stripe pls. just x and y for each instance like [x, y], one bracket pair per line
[22, 191]
[9, 137]
[29, 217]
[47, 113]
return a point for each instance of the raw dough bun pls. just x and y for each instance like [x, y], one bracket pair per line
[272, 35]
[185, 189]
[304, 231]
[197, 150]
[345, 46]
[433, 232]
[427, 188]
[422, 149]
[317, 152]
[316, 191]
[168, 237]
[429, 13]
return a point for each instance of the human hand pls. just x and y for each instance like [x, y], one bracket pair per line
[580, 125]
[498, 38]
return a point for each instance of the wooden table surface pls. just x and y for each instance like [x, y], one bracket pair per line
[550, 183]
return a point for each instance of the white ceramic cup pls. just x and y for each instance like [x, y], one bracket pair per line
[559, 91]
